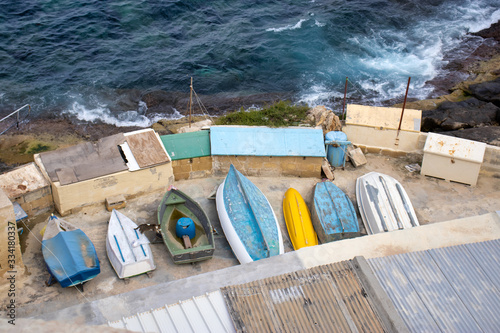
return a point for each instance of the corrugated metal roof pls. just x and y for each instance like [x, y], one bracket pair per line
[327, 298]
[187, 145]
[453, 289]
[265, 141]
[207, 313]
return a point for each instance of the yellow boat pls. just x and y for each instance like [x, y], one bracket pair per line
[298, 220]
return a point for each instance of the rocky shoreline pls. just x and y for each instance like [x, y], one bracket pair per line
[465, 103]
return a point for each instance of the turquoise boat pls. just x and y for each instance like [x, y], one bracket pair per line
[333, 217]
[247, 218]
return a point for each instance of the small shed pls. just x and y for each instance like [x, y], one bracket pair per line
[452, 159]
[190, 154]
[264, 151]
[124, 164]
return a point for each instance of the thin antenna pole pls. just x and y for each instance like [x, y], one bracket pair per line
[190, 101]
[345, 94]
[404, 104]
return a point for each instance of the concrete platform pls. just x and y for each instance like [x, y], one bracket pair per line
[455, 232]
[108, 298]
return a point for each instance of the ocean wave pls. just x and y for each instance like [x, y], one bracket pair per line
[119, 119]
[319, 24]
[297, 25]
[110, 54]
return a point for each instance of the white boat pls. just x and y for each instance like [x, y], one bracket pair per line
[383, 204]
[247, 218]
[128, 250]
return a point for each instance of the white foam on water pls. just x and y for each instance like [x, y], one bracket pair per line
[384, 59]
[319, 24]
[253, 108]
[476, 16]
[297, 25]
[319, 94]
[119, 119]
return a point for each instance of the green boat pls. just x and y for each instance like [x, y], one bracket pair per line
[185, 228]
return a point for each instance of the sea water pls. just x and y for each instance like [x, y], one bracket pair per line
[81, 57]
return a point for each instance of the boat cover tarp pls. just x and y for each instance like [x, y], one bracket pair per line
[71, 257]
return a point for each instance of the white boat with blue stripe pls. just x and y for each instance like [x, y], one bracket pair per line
[128, 250]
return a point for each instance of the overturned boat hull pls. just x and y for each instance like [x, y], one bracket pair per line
[298, 220]
[334, 217]
[247, 218]
[384, 204]
[128, 250]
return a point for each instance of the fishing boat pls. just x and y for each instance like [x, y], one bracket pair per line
[247, 218]
[185, 228]
[333, 217]
[384, 204]
[298, 220]
[128, 250]
[69, 254]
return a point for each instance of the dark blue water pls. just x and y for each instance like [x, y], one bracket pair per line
[77, 56]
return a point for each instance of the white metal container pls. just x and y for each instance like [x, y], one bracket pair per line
[452, 159]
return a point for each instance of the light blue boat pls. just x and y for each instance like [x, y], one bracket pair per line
[247, 218]
[333, 216]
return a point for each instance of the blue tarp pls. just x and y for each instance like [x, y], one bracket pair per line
[265, 141]
[71, 258]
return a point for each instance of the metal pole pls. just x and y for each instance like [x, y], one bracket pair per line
[404, 104]
[190, 101]
[345, 94]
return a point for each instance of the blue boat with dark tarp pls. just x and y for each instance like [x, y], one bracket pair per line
[69, 254]
[333, 217]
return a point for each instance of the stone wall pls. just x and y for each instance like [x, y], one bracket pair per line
[192, 168]
[269, 166]
[36, 202]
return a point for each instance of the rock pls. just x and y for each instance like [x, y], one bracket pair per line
[450, 116]
[487, 91]
[332, 123]
[487, 134]
[197, 126]
[165, 102]
[325, 118]
[492, 32]
[317, 111]
[160, 129]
